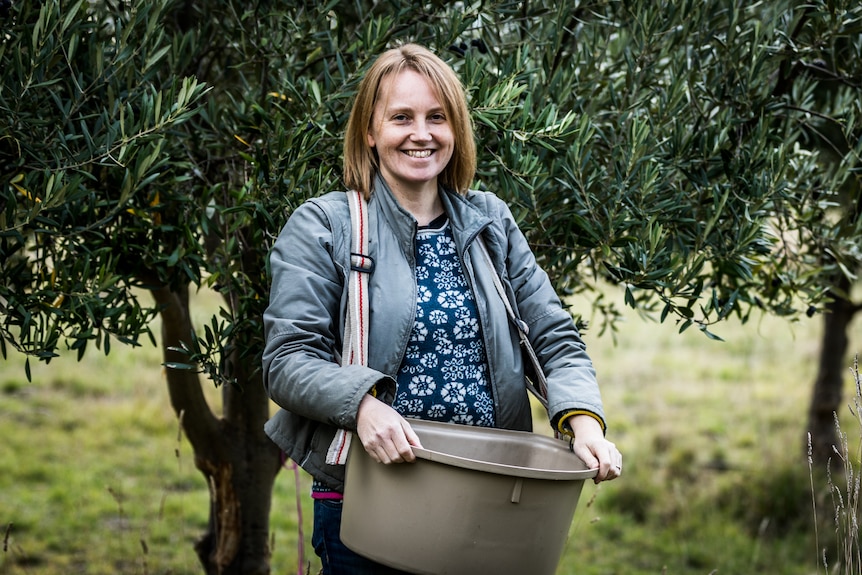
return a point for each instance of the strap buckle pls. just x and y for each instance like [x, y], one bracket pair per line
[362, 263]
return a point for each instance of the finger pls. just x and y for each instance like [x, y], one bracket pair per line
[601, 455]
[397, 443]
[614, 471]
[585, 454]
[616, 467]
[381, 430]
[398, 448]
[412, 441]
[381, 447]
[592, 462]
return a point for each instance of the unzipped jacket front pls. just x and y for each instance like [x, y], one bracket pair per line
[304, 321]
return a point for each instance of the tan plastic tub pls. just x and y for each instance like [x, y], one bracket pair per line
[476, 501]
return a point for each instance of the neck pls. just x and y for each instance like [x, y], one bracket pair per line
[424, 203]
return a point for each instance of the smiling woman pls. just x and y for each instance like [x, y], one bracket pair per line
[411, 134]
[440, 343]
[437, 82]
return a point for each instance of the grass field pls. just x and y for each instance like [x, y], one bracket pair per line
[95, 477]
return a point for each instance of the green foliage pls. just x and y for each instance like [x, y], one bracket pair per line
[86, 120]
[691, 176]
[773, 504]
[702, 154]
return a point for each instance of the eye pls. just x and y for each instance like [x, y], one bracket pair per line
[400, 118]
[438, 117]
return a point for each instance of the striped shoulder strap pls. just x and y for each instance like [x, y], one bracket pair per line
[355, 345]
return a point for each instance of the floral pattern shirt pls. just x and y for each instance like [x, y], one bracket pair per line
[444, 374]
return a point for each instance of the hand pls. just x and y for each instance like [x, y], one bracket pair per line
[385, 435]
[593, 449]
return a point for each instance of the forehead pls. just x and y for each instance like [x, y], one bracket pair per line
[408, 88]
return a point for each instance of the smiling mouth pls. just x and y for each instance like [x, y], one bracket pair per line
[419, 153]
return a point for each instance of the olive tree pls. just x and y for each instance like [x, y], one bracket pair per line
[716, 171]
[703, 155]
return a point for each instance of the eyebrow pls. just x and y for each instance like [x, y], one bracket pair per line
[405, 108]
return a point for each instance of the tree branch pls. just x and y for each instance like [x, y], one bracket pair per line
[184, 386]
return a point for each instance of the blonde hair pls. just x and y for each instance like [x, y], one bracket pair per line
[360, 160]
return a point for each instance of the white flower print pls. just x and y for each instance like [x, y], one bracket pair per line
[429, 256]
[451, 299]
[466, 328]
[453, 267]
[464, 311]
[463, 419]
[485, 420]
[436, 411]
[429, 360]
[474, 372]
[411, 368]
[446, 280]
[461, 351]
[453, 392]
[414, 406]
[438, 316]
[443, 374]
[423, 295]
[476, 352]
[453, 369]
[445, 246]
[422, 385]
[419, 333]
[443, 345]
[484, 404]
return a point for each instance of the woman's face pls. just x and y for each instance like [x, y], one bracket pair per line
[411, 132]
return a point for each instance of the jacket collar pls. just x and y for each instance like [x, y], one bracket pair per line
[466, 219]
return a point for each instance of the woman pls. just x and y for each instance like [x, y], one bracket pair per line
[440, 343]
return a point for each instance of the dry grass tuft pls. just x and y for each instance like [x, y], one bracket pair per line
[843, 493]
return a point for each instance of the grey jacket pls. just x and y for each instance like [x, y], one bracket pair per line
[304, 321]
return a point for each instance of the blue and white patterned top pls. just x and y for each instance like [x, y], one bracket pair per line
[444, 373]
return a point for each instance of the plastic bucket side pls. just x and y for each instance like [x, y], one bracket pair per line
[434, 518]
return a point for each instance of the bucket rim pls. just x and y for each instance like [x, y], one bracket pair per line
[502, 468]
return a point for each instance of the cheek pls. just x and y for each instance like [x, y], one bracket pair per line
[449, 137]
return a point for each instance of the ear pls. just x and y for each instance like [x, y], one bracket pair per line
[369, 137]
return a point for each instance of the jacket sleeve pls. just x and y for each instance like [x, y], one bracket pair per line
[303, 322]
[572, 384]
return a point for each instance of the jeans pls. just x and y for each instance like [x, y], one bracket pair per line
[335, 557]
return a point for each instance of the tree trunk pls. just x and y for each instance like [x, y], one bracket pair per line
[826, 396]
[236, 457]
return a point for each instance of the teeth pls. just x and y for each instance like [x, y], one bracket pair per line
[418, 153]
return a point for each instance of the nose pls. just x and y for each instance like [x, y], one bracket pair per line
[421, 131]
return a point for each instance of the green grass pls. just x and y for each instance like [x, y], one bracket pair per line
[95, 478]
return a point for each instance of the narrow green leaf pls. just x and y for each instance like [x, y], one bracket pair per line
[70, 15]
[154, 58]
[178, 365]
